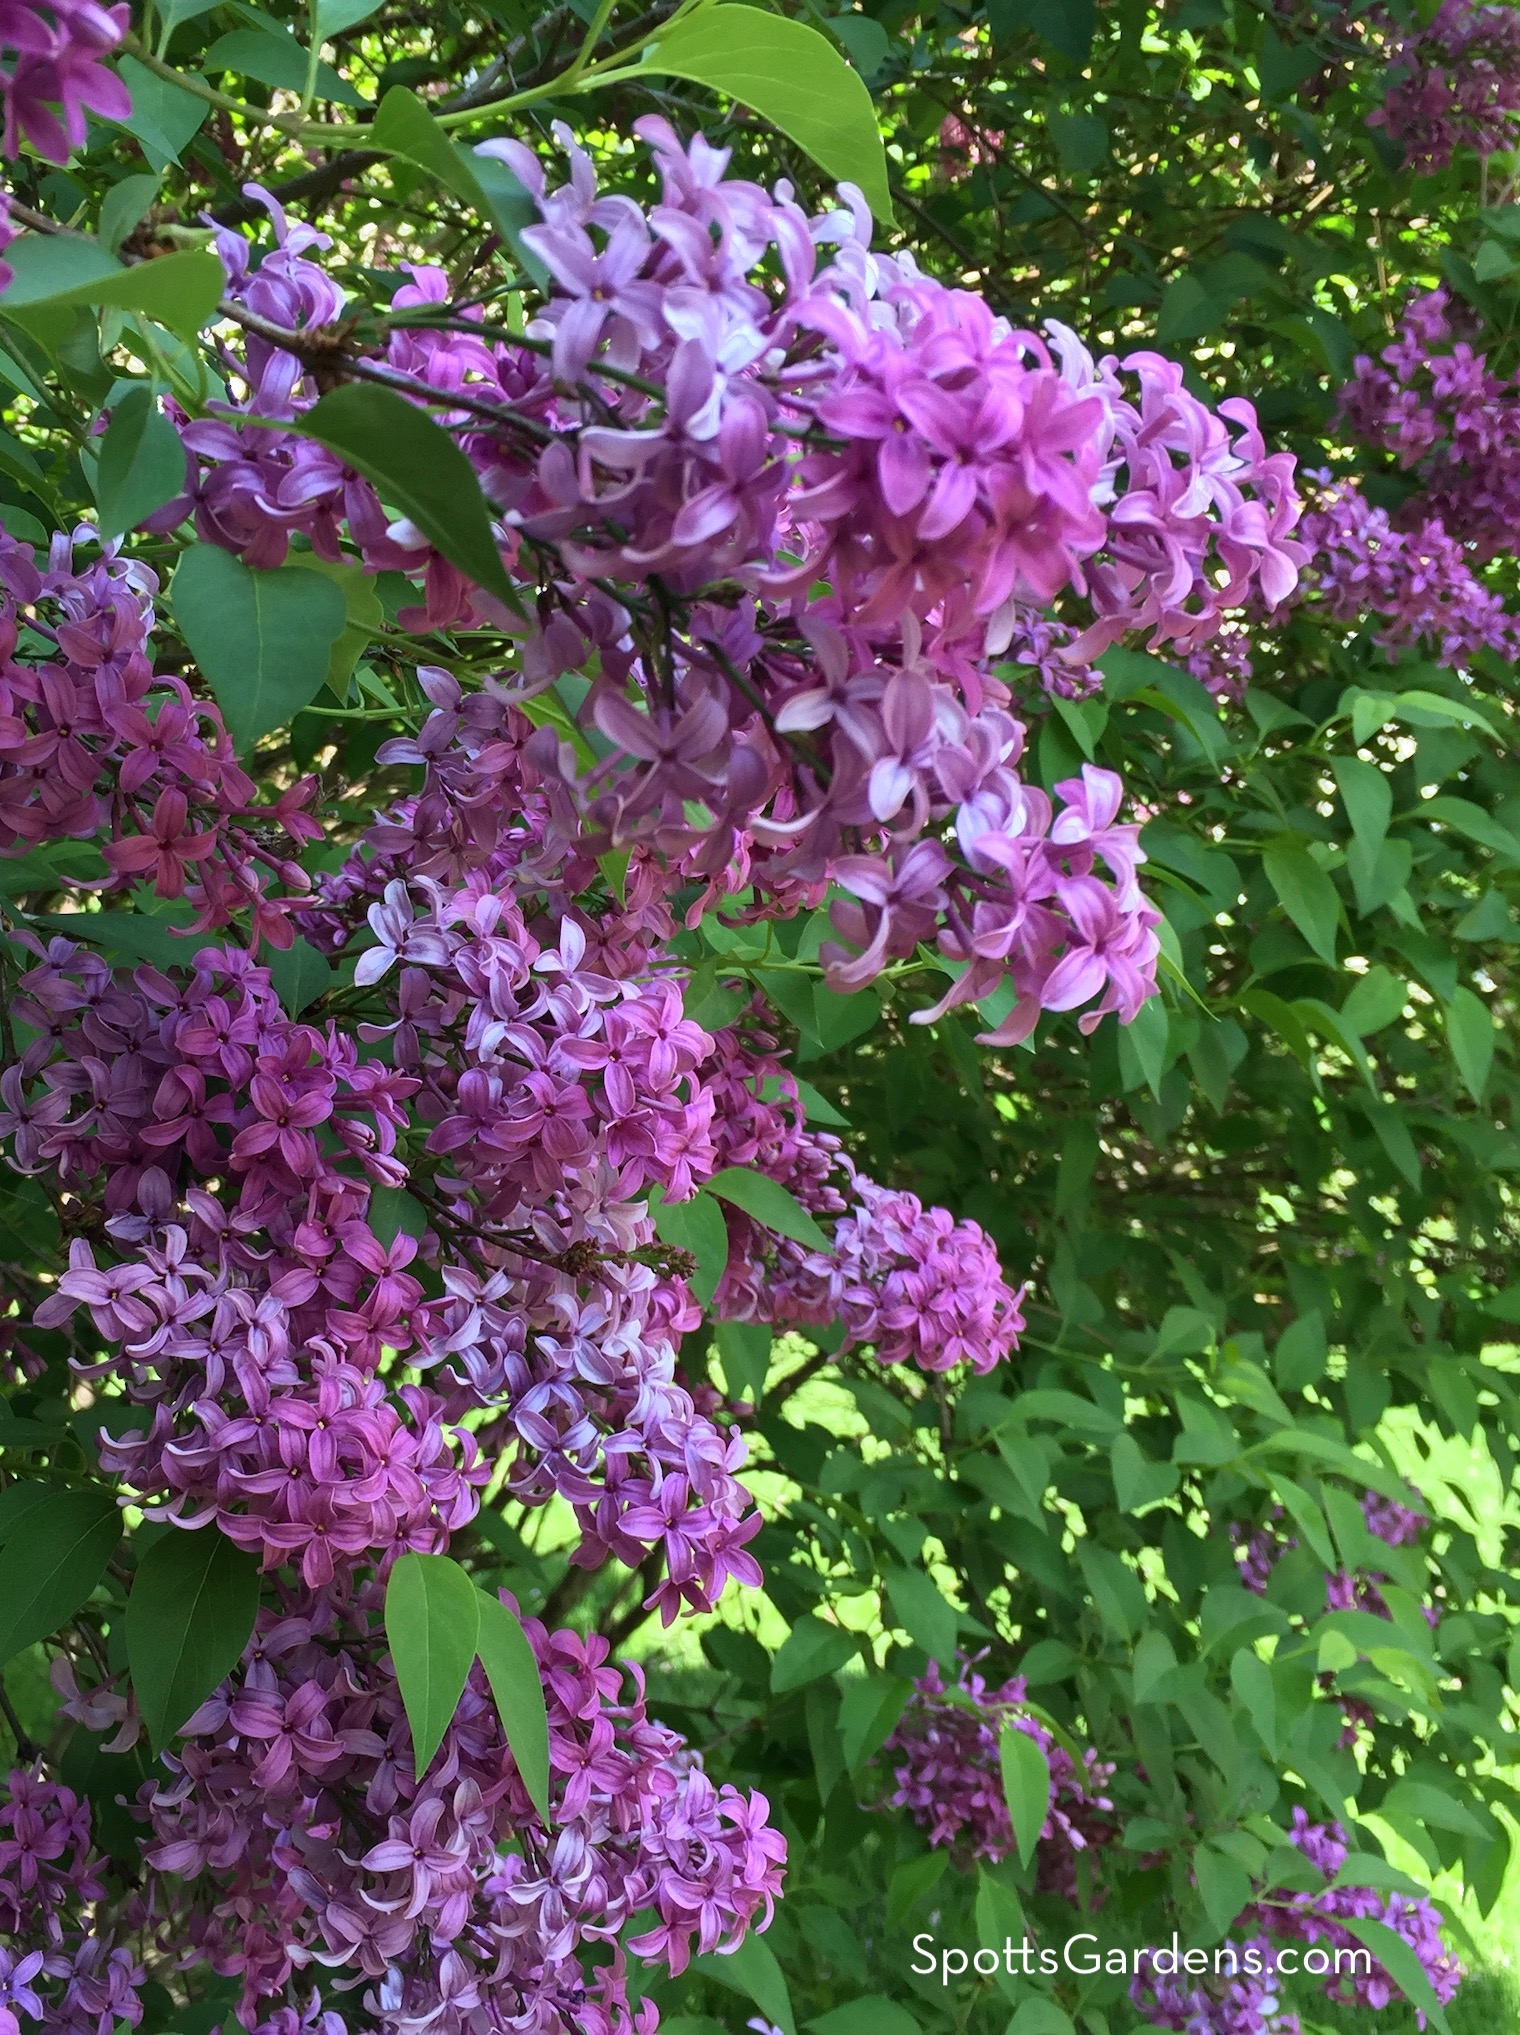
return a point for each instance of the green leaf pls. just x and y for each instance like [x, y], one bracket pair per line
[403, 127]
[911, 1882]
[869, 1708]
[1115, 1589]
[1306, 894]
[1401, 1965]
[697, 1226]
[415, 467]
[1470, 1034]
[1039, 2015]
[1026, 1787]
[1374, 1000]
[262, 639]
[179, 290]
[365, 612]
[875, 2014]
[192, 1607]
[924, 1613]
[432, 1623]
[753, 1972]
[142, 463]
[838, 1019]
[1464, 817]
[1302, 1352]
[1154, 1660]
[1251, 1679]
[1224, 1885]
[300, 974]
[512, 207]
[271, 56]
[124, 205]
[1367, 794]
[1143, 1046]
[164, 115]
[1139, 1482]
[518, 1688]
[51, 1562]
[1379, 877]
[393, 1212]
[16, 1501]
[791, 76]
[1187, 311]
[865, 41]
[999, 1919]
[710, 1003]
[128, 939]
[1307, 1517]
[769, 1203]
[1081, 141]
[1434, 710]
[334, 16]
[811, 1649]
[745, 1347]
[172, 12]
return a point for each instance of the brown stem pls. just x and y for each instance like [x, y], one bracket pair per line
[795, 1380]
[27, 1749]
[644, 1580]
[316, 184]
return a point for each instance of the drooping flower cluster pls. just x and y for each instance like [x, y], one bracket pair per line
[93, 744]
[1041, 646]
[950, 1778]
[299, 1836]
[1456, 85]
[1252, 2003]
[1258, 1552]
[1243, 1996]
[1451, 420]
[253, 1331]
[60, 1965]
[911, 1283]
[1418, 580]
[1223, 664]
[668, 413]
[52, 72]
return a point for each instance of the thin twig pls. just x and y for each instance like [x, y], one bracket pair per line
[27, 1748]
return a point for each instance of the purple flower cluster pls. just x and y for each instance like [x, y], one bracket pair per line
[1317, 1917]
[1251, 2002]
[52, 72]
[1456, 85]
[93, 743]
[911, 1283]
[1454, 424]
[1040, 645]
[253, 1328]
[1223, 664]
[58, 1965]
[1397, 1525]
[297, 1835]
[1259, 1549]
[702, 400]
[1418, 580]
[950, 1779]
[1245, 1998]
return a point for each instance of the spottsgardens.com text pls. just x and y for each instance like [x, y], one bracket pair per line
[1083, 1956]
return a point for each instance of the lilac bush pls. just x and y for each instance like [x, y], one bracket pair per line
[404, 1178]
